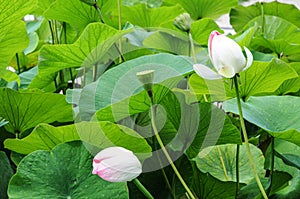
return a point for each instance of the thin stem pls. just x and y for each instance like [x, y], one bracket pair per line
[237, 172]
[95, 72]
[122, 58]
[53, 42]
[192, 47]
[18, 63]
[166, 179]
[272, 165]
[17, 134]
[222, 162]
[194, 58]
[246, 138]
[162, 169]
[51, 30]
[141, 187]
[65, 31]
[120, 28]
[62, 80]
[263, 17]
[161, 144]
[276, 7]
[72, 79]
[99, 12]
[55, 31]
[196, 178]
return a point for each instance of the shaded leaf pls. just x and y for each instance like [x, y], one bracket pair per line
[260, 79]
[288, 152]
[121, 82]
[278, 115]
[141, 15]
[66, 174]
[101, 135]
[240, 15]
[27, 77]
[87, 51]
[210, 160]
[290, 85]
[264, 77]
[74, 12]
[5, 174]
[201, 30]
[43, 137]
[26, 110]
[199, 9]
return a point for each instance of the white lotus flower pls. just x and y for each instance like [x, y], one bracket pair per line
[226, 56]
[116, 164]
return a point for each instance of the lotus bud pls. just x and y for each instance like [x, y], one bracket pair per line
[183, 22]
[226, 56]
[116, 164]
[146, 78]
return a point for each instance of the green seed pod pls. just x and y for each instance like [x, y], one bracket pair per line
[183, 22]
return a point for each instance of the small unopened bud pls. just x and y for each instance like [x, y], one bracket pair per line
[183, 22]
[146, 78]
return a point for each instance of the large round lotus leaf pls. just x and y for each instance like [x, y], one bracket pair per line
[65, 172]
[278, 115]
[220, 162]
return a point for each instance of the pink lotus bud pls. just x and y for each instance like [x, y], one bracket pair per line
[226, 56]
[116, 164]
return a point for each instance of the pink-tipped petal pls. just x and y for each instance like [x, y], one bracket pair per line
[94, 171]
[205, 72]
[116, 164]
[210, 39]
[249, 58]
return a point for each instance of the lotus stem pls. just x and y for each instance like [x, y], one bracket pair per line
[141, 187]
[237, 171]
[272, 165]
[161, 144]
[261, 188]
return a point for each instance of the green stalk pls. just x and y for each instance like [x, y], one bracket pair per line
[62, 80]
[162, 169]
[73, 80]
[192, 46]
[65, 37]
[141, 187]
[18, 63]
[261, 188]
[194, 57]
[95, 72]
[51, 30]
[276, 7]
[237, 172]
[98, 11]
[196, 178]
[55, 31]
[53, 42]
[122, 59]
[161, 144]
[120, 28]
[263, 17]
[272, 165]
[64, 25]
